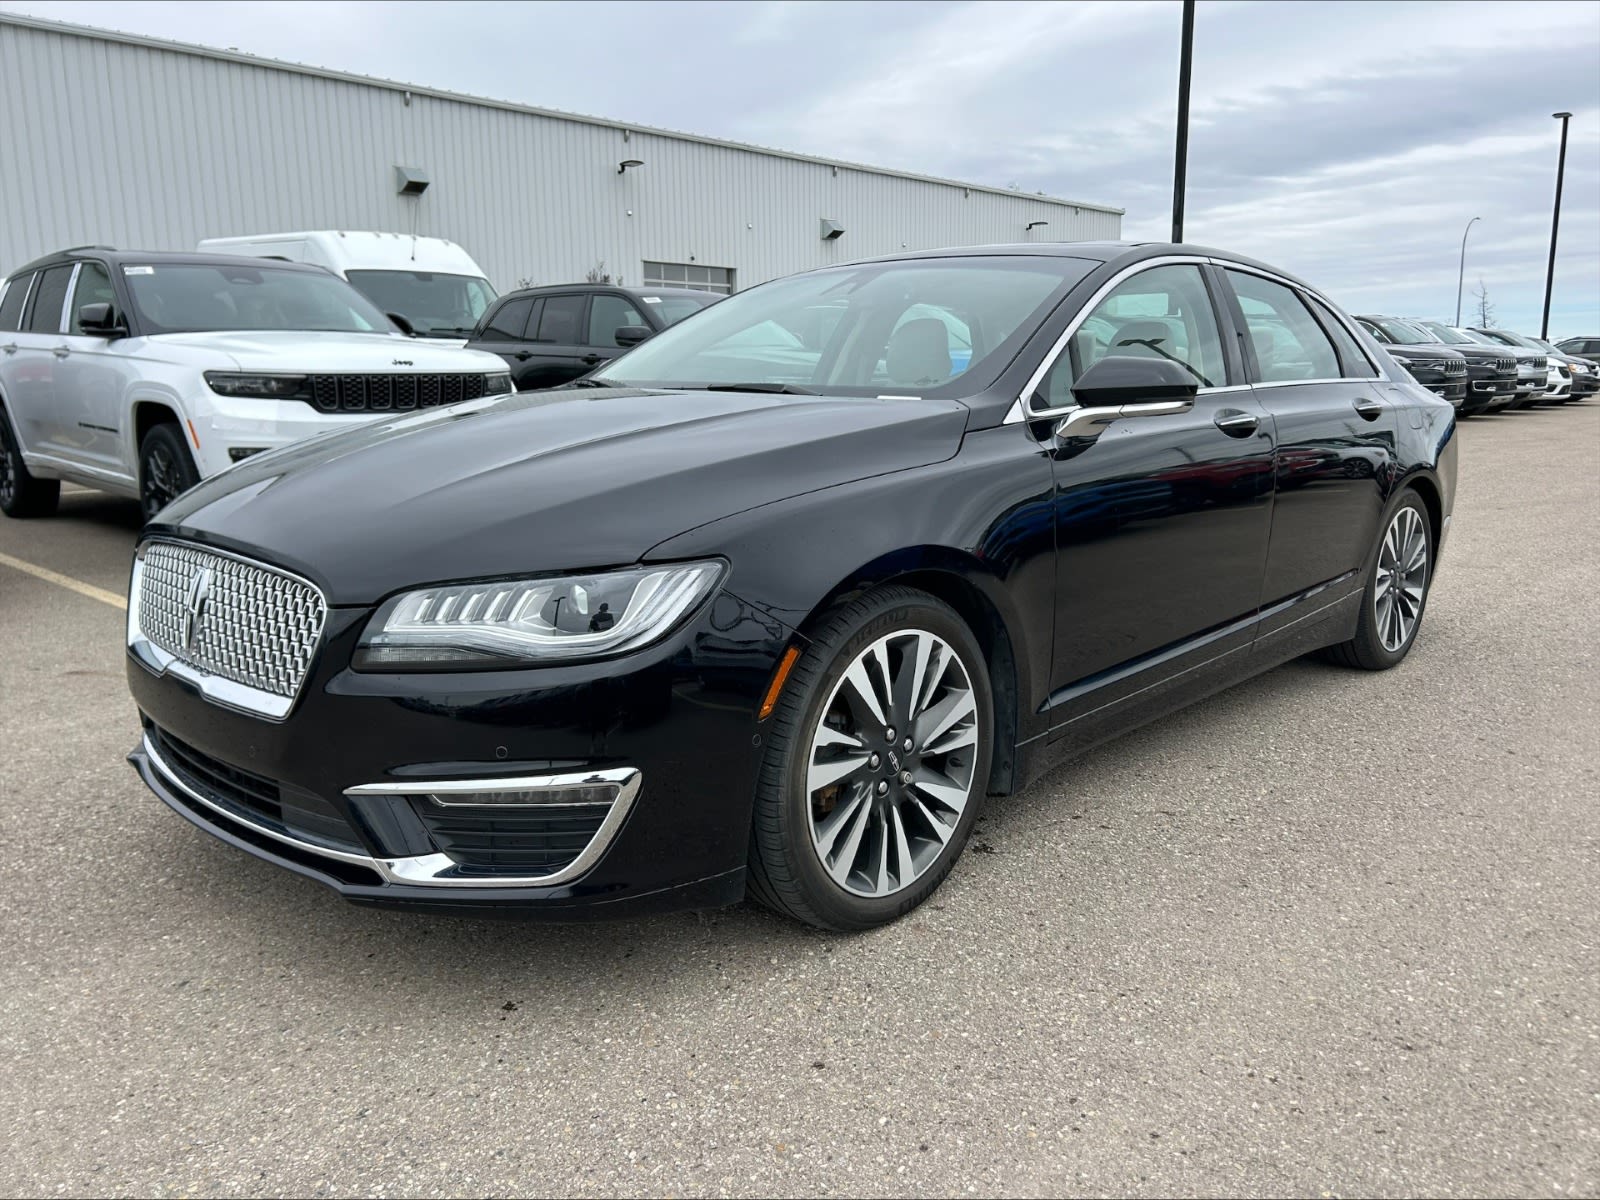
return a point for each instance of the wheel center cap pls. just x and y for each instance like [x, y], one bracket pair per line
[894, 763]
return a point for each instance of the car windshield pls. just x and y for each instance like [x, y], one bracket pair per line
[208, 297]
[1403, 333]
[946, 326]
[1443, 333]
[437, 305]
[672, 309]
[1482, 339]
[1516, 339]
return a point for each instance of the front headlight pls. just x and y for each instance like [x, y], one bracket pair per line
[529, 622]
[1430, 364]
[260, 387]
[496, 385]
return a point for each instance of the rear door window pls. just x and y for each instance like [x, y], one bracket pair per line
[562, 320]
[1289, 344]
[52, 295]
[1352, 359]
[11, 303]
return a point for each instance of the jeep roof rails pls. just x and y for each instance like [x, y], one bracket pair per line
[95, 246]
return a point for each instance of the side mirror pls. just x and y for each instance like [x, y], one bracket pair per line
[100, 320]
[402, 324]
[632, 335]
[1121, 385]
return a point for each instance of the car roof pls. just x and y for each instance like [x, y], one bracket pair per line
[541, 289]
[115, 257]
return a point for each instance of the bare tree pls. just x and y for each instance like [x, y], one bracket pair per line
[599, 274]
[1485, 310]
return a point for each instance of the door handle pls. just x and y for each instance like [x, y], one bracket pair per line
[1368, 409]
[9, 347]
[1236, 423]
[590, 359]
[61, 351]
[523, 355]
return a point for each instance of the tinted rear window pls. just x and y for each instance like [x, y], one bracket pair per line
[51, 297]
[11, 304]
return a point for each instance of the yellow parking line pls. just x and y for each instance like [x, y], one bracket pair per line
[66, 581]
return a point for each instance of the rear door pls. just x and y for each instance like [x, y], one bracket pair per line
[1335, 427]
[1162, 522]
[32, 396]
[560, 354]
[504, 331]
[13, 379]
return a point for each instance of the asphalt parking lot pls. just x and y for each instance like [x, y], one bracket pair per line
[1328, 933]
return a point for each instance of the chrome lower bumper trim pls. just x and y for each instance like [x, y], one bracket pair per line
[434, 870]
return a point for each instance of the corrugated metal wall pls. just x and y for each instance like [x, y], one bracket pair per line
[145, 146]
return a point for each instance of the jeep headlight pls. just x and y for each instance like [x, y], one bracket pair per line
[260, 387]
[497, 384]
[530, 622]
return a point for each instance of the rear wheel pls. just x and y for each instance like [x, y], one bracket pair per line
[1396, 593]
[166, 469]
[877, 759]
[21, 495]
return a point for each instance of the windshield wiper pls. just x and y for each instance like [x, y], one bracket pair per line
[782, 389]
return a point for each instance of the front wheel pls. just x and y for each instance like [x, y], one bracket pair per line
[877, 759]
[166, 469]
[1396, 593]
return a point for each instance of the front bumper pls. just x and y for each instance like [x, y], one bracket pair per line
[346, 774]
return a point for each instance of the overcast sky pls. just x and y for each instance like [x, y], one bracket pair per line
[1347, 142]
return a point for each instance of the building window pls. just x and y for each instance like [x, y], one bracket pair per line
[689, 275]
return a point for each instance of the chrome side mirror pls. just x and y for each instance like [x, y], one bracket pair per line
[1121, 386]
[1091, 422]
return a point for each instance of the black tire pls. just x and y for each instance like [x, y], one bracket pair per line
[22, 495]
[786, 872]
[166, 468]
[1367, 650]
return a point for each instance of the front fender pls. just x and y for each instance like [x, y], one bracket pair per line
[981, 520]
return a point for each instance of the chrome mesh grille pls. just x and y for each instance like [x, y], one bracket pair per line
[258, 627]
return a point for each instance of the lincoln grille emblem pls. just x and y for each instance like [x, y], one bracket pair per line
[194, 606]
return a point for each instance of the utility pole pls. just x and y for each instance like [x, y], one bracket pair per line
[1462, 271]
[1555, 224]
[1180, 168]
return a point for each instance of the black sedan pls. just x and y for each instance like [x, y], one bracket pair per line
[755, 610]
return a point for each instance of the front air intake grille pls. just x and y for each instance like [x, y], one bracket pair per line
[1452, 367]
[1541, 363]
[225, 616]
[526, 841]
[392, 393]
[1505, 364]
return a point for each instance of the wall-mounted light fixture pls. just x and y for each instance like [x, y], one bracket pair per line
[629, 162]
[1035, 225]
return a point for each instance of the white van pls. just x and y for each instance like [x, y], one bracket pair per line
[431, 282]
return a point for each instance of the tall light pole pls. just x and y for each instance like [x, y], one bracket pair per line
[1555, 224]
[1461, 274]
[1180, 168]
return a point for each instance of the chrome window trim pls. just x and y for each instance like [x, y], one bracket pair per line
[1020, 410]
[225, 692]
[1273, 277]
[428, 870]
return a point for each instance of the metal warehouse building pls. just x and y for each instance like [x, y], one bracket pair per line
[153, 145]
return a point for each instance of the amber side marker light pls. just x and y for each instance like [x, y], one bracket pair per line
[784, 664]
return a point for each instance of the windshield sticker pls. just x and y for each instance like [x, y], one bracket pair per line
[138, 270]
[651, 299]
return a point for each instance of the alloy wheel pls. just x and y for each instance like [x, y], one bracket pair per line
[1402, 579]
[160, 480]
[892, 763]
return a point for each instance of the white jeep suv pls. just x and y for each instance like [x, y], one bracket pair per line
[143, 373]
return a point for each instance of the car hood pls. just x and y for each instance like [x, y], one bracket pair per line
[291, 350]
[544, 481]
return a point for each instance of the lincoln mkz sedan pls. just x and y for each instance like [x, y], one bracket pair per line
[770, 604]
